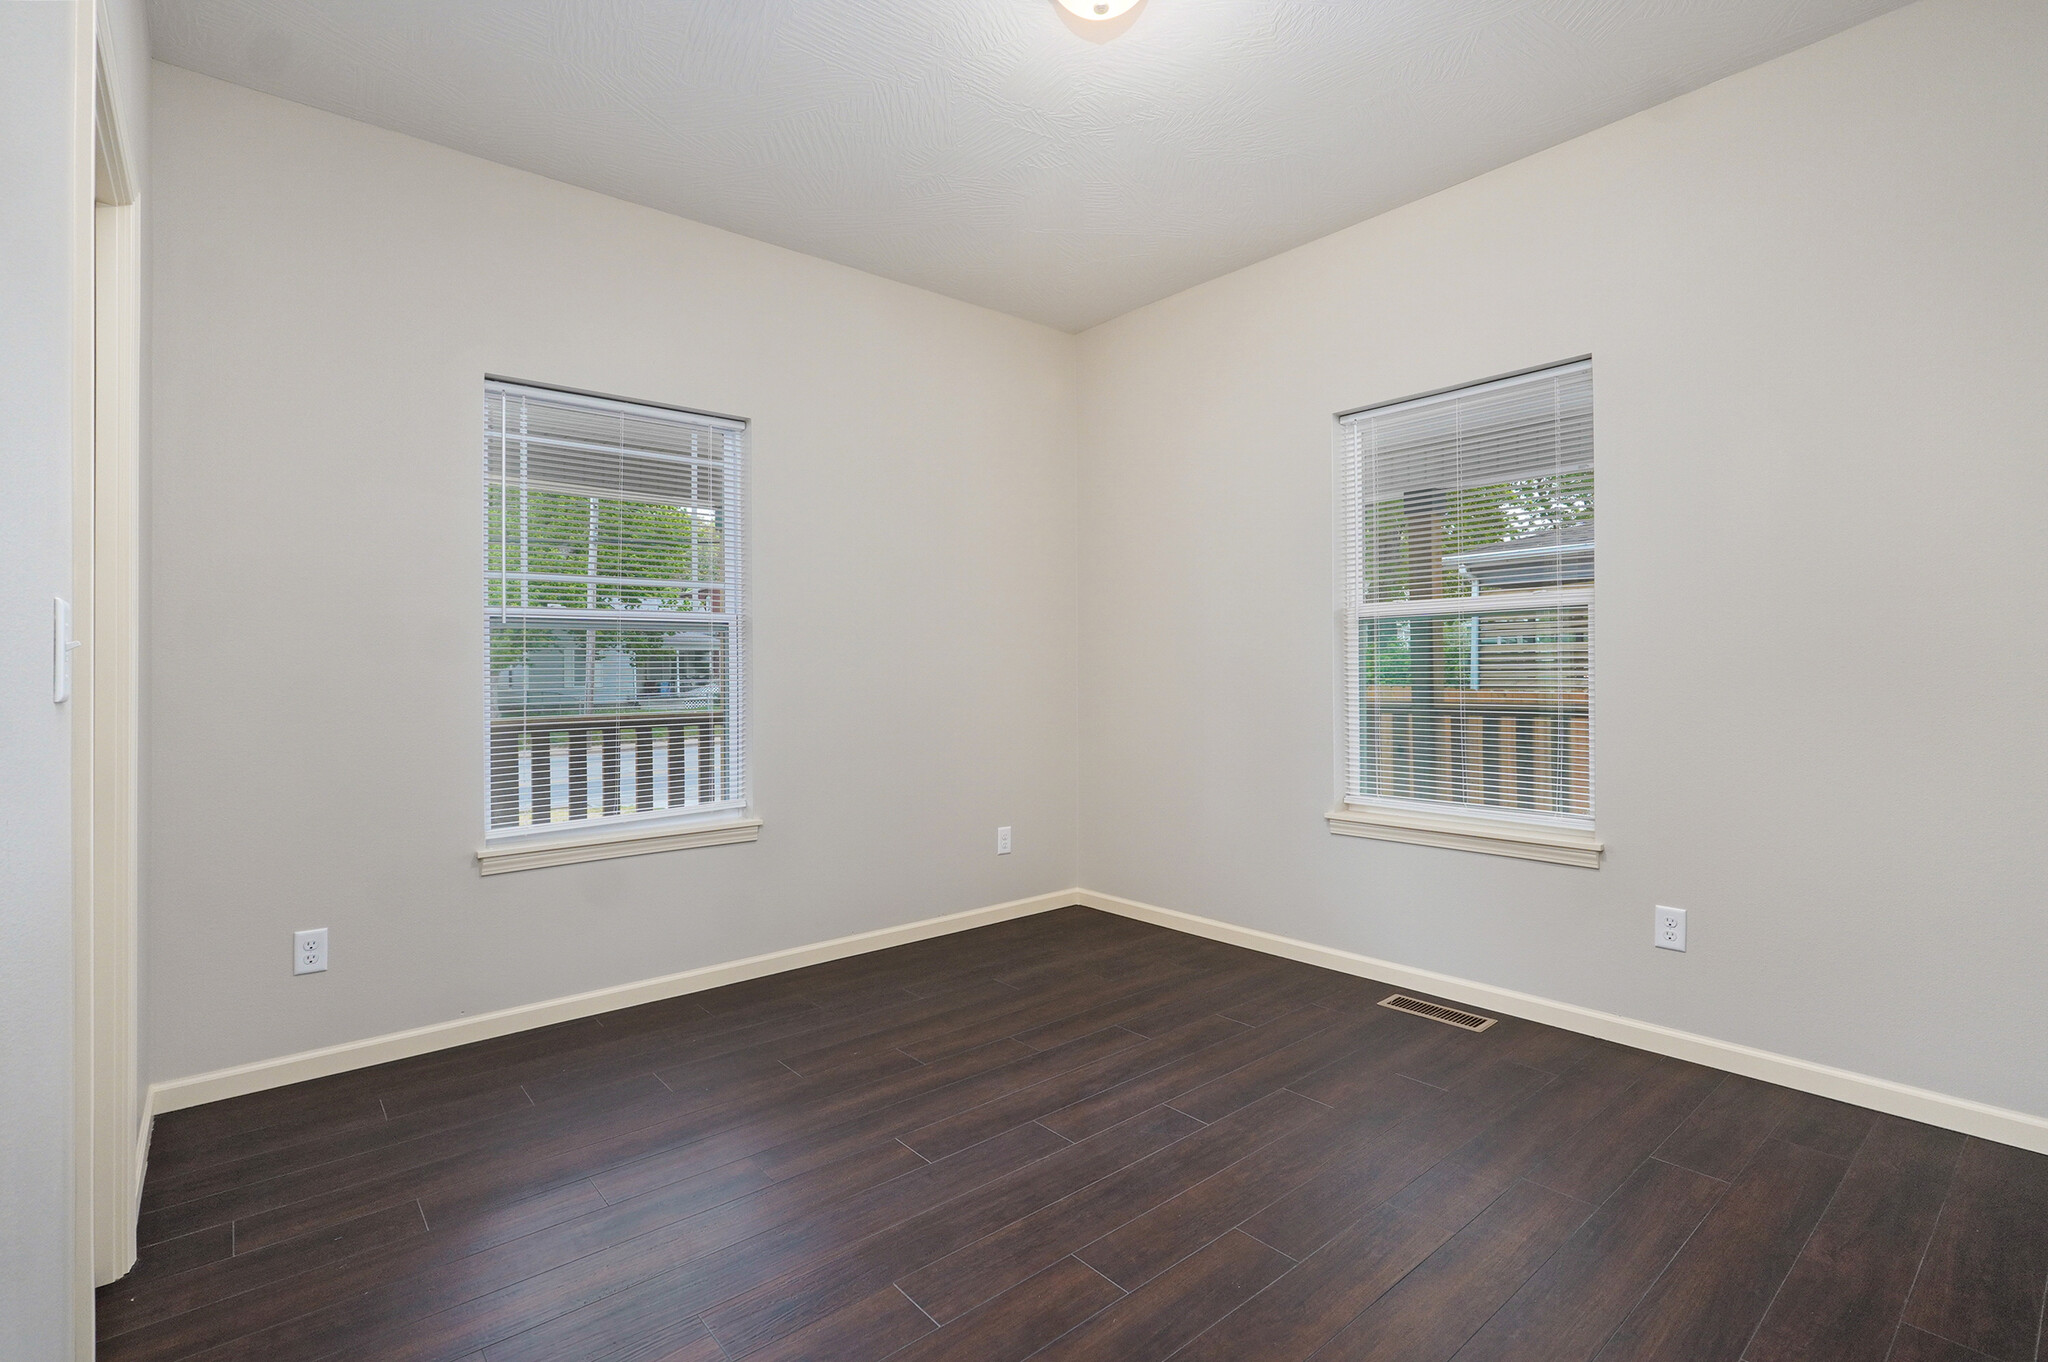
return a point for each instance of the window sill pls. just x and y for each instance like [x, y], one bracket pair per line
[1531, 842]
[519, 854]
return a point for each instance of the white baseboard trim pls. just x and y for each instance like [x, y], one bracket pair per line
[1919, 1104]
[180, 1093]
[1881, 1094]
[124, 1250]
[145, 1125]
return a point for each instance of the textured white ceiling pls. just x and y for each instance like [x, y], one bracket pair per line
[986, 149]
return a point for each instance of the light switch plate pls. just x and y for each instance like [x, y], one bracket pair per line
[61, 647]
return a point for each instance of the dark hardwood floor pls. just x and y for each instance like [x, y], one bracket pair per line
[1070, 1137]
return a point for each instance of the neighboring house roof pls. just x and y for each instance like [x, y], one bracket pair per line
[1549, 557]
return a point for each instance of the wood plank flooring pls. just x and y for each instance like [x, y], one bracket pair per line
[1075, 1138]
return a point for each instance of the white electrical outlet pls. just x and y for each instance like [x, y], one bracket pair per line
[1670, 928]
[309, 951]
[1002, 841]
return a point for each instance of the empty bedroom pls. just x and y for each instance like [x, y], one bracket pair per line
[979, 680]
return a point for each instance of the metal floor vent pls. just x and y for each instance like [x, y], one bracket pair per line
[1449, 1016]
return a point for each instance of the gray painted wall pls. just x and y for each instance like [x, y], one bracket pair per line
[37, 250]
[328, 299]
[1817, 301]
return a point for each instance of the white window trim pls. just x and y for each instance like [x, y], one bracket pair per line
[1505, 602]
[721, 828]
[646, 821]
[1494, 836]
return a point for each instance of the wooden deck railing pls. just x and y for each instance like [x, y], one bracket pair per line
[564, 770]
[1526, 751]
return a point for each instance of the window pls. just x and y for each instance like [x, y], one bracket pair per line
[612, 607]
[1469, 604]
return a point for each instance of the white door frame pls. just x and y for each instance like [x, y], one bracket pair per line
[106, 566]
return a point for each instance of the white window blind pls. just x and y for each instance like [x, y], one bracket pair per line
[613, 599]
[1469, 599]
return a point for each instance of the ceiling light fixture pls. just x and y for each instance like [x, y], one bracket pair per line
[1097, 9]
